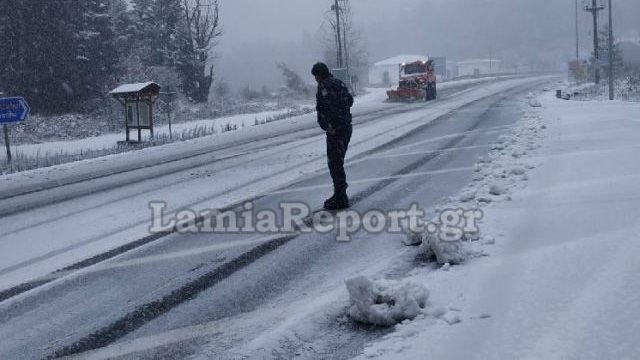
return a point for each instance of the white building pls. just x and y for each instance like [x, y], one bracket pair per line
[476, 67]
[387, 72]
[452, 69]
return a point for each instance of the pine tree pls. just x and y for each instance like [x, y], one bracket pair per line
[142, 15]
[97, 55]
[158, 24]
[42, 46]
[11, 33]
[168, 20]
[58, 53]
[124, 28]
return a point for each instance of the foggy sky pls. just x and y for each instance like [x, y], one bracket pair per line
[257, 33]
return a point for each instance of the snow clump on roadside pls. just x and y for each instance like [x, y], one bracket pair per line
[535, 103]
[446, 251]
[496, 175]
[385, 302]
[506, 166]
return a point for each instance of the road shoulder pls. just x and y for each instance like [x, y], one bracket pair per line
[558, 281]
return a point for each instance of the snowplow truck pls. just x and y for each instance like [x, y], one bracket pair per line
[417, 82]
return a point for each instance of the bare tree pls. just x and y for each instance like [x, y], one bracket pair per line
[355, 54]
[201, 29]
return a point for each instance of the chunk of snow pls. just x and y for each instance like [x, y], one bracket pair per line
[467, 196]
[534, 103]
[517, 171]
[437, 311]
[489, 241]
[496, 189]
[451, 318]
[412, 238]
[385, 302]
[484, 160]
[452, 252]
[484, 200]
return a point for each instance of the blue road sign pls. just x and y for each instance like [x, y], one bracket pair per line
[13, 109]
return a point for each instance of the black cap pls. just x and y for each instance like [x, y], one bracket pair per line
[321, 70]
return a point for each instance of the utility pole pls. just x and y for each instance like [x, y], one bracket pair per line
[345, 44]
[490, 58]
[610, 52]
[5, 128]
[577, 34]
[594, 9]
[336, 8]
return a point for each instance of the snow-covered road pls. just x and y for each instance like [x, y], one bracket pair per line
[105, 204]
[134, 297]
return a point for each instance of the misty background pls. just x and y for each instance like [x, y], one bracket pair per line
[259, 33]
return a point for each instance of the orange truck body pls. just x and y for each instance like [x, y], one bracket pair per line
[417, 82]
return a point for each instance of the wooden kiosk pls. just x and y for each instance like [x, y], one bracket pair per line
[138, 100]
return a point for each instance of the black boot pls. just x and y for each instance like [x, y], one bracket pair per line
[339, 201]
[330, 201]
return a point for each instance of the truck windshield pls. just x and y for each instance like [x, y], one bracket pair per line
[417, 68]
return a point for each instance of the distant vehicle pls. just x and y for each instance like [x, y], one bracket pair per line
[417, 82]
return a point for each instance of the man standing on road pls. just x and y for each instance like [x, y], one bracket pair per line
[334, 116]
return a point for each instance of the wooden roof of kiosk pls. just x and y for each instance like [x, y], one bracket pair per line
[136, 90]
[137, 99]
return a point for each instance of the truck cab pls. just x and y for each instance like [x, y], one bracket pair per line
[417, 81]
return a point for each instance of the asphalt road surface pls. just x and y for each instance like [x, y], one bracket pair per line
[176, 295]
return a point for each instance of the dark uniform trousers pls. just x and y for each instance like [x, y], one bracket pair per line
[333, 104]
[336, 151]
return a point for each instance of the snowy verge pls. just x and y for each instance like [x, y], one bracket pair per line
[106, 141]
[561, 281]
[33, 156]
[497, 177]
